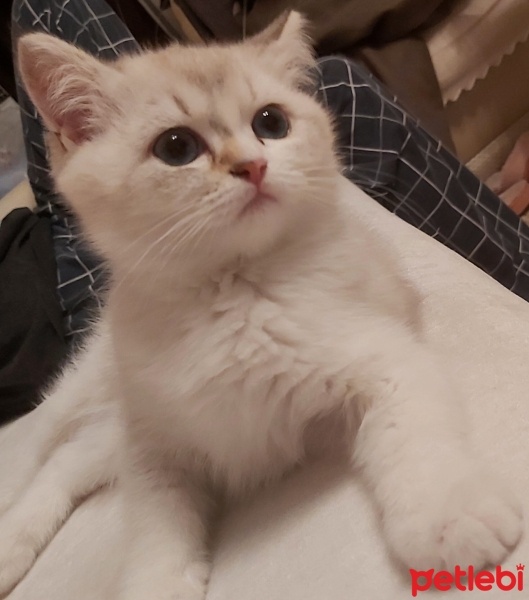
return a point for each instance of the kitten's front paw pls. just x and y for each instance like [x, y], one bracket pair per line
[475, 522]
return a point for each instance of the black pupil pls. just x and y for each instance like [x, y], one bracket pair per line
[270, 122]
[177, 147]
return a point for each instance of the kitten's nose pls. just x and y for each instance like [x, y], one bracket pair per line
[251, 170]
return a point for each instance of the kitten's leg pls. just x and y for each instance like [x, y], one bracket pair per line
[440, 505]
[74, 470]
[166, 520]
[21, 451]
[27, 443]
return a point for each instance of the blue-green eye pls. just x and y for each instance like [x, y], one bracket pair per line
[270, 122]
[178, 146]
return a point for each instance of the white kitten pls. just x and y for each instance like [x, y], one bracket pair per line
[247, 301]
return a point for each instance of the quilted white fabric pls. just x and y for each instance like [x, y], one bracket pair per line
[315, 536]
[475, 37]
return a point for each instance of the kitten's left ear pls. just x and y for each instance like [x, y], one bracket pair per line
[286, 47]
[67, 86]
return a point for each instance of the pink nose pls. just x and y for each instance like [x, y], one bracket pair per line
[251, 170]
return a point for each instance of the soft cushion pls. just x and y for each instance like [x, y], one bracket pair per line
[315, 536]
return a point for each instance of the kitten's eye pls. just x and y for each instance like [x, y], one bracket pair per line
[178, 146]
[270, 122]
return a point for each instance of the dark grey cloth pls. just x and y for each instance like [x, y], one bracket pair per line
[394, 160]
[32, 341]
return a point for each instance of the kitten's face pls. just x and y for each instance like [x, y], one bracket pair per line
[204, 153]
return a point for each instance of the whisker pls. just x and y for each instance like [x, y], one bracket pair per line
[158, 224]
[156, 242]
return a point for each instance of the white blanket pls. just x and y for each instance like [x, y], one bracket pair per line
[315, 537]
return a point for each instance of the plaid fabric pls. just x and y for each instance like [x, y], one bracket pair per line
[394, 160]
[93, 26]
[385, 152]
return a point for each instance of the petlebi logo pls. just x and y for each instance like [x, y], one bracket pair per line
[467, 580]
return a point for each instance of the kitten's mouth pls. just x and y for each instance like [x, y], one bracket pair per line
[257, 203]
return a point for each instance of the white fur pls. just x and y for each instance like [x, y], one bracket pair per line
[224, 337]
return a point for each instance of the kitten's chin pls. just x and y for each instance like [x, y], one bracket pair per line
[272, 217]
[260, 202]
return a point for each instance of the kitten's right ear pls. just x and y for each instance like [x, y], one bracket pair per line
[286, 47]
[66, 85]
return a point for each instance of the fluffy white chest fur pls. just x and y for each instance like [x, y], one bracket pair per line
[229, 373]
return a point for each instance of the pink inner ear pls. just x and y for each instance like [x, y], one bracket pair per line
[65, 93]
[74, 124]
[62, 114]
